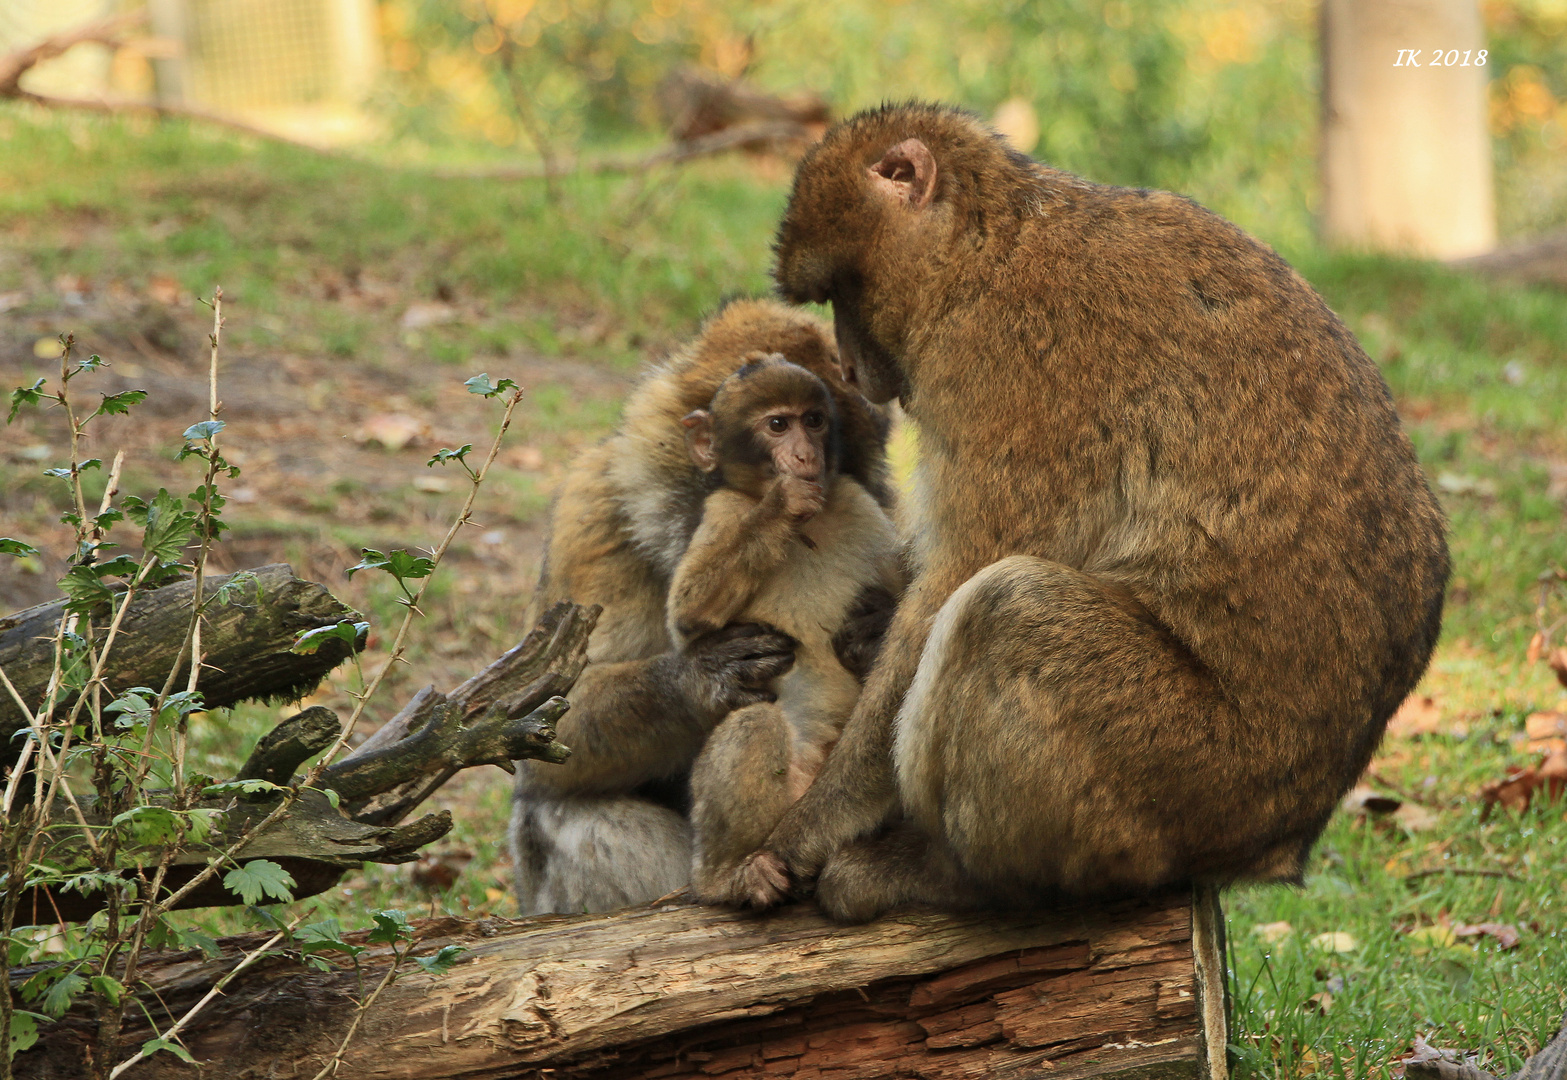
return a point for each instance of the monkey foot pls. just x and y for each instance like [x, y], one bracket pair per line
[762, 881]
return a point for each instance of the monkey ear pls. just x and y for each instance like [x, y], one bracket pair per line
[906, 172]
[699, 438]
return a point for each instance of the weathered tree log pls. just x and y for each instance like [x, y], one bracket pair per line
[685, 992]
[1540, 261]
[246, 642]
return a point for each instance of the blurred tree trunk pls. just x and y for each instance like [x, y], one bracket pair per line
[1406, 154]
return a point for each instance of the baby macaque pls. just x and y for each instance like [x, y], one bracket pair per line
[785, 541]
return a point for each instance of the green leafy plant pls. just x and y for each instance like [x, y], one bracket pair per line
[98, 799]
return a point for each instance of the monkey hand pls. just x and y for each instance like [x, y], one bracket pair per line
[762, 881]
[858, 641]
[733, 667]
[801, 499]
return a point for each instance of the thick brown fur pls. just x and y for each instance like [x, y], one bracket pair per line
[1175, 561]
[608, 827]
[786, 542]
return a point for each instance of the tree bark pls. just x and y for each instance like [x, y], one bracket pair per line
[1406, 152]
[686, 992]
[246, 642]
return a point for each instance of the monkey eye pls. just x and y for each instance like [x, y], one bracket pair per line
[778, 424]
[814, 420]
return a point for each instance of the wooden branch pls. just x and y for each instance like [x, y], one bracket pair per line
[283, 749]
[507, 705]
[178, 110]
[686, 992]
[247, 642]
[14, 65]
[314, 841]
[444, 745]
[762, 133]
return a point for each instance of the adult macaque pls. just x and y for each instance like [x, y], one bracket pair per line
[608, 828]
[1175, 562]
[787, 542]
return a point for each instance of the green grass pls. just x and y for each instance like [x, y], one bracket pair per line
[1479, 370]
[276, 226]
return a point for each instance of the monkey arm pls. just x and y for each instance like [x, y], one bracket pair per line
[629, 723]
[739, 544]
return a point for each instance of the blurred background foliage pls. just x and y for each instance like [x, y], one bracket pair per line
[1211, 97]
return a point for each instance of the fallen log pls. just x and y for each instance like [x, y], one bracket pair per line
[1538, 261]
[246, 641]
[684, 992]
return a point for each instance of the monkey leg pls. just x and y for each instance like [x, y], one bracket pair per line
[1056, 737]
[740, 786]
[596, 852]
[900, 865]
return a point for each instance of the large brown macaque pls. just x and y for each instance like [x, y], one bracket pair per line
[785, 541]
[1175, 562]
[609, 827]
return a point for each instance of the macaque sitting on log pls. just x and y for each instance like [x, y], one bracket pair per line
[1176, 563]
[787, 542]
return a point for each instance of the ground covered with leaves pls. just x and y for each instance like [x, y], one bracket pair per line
[359, 298]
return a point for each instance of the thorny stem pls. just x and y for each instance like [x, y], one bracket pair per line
[412, 607]
[217, 988]
[151, 909]
[53, 762]
[330, 1068]
[361, 700]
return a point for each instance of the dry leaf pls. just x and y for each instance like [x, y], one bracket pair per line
[418, 316]
[1320, 1003]
[1415, 817]
[1516, 790]
[1558, 664]
[392, 430]
[1547, 732]
[1418, 715]
[530, 458]
[1536, 647]
[1363, 799]
[164, 289]
[1439, 935]
[440, 870]
[1504, 934]
[1273, 932]
[1423, 1053]
[1336, 942]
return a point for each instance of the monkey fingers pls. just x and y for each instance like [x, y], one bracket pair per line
[737, 664]
[762, 881]
[858, 642]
